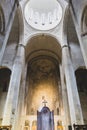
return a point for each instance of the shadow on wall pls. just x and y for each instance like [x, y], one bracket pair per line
[4, 84]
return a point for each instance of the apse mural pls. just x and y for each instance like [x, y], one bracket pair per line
[42, 86]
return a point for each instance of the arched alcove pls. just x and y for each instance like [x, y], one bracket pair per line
[42, 83]
[43, 44]
[81, 78]
[43, 57]
[4, 84]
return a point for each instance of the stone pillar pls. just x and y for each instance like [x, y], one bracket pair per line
[21, 112]
[23, 91]
[65, 104]
[13, 91]
[73, 97]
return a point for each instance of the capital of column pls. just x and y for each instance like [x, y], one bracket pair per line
[21, 45]
[65, 46]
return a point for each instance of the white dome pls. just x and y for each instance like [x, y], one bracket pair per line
[43, 15]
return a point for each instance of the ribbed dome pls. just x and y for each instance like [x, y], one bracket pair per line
[43, 15]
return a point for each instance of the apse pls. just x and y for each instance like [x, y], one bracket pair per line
[42, 85]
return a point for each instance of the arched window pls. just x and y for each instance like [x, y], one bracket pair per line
[84, 22]
[2, 21]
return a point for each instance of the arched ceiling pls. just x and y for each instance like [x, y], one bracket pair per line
[43, 45]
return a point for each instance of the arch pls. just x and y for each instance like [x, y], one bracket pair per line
[36, 46]
[2, 21]
[81, 78]
[42, 78]
[4, 78]
[84, 21]
[4, 84]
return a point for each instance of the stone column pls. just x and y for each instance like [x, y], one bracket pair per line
[65, 104]
[73, 97]
[13, 91]
[21, 112]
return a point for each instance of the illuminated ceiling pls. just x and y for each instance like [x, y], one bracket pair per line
[41, 16]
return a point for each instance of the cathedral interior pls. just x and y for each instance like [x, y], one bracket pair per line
[43, 63]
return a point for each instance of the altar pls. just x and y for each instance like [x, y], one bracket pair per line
[45, 119]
